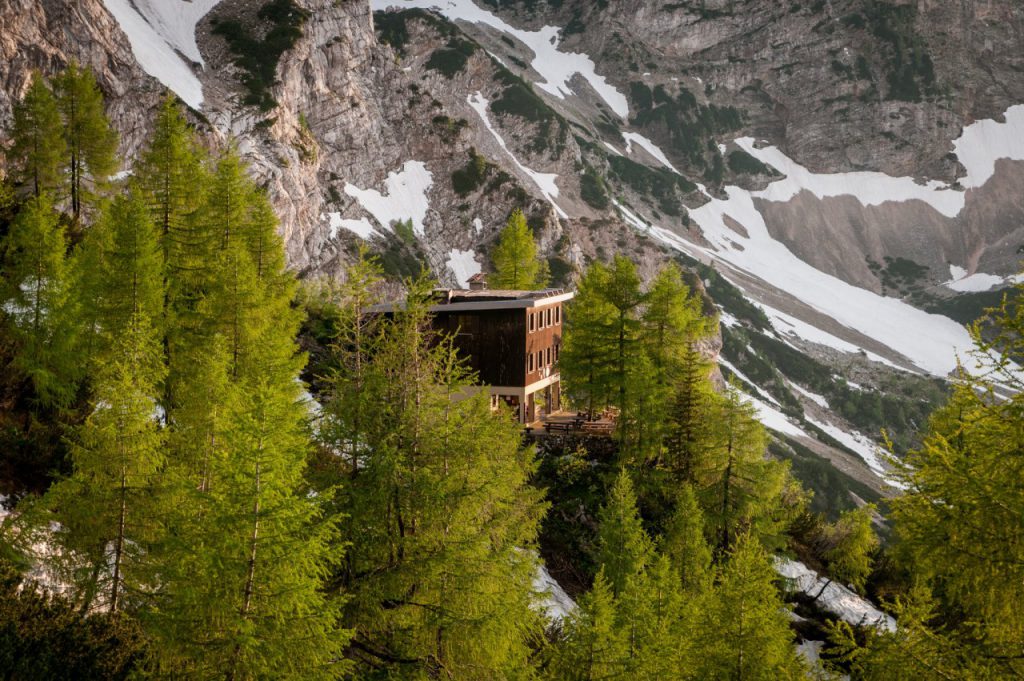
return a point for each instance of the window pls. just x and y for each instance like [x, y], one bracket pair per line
[549, 356]
[540, 359]
[530, 369]
[532, 322]
[556, 353]
[540, 319]
[558, 315]
[549, 316]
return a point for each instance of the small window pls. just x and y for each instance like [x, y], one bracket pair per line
[558, 315]
[540, 319]
[530, 370]
[532, 322]
[556, 353]
[549, 316]
[548, 352]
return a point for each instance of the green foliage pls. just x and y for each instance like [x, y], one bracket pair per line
[35, 281]
[472, 176]
[516, 265]
[850, 543]
[451, 60]
[392, 27]
[594, 648]
[442, 520]
[37, 141]
[44, 637]
[258, 56]
[666, 187]
[688, 126]
[743, 163]
[910, 72]
[91, 143]
[593, 190]
[623, 548]
[743, 631]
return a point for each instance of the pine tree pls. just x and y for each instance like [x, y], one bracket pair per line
[624, 549]
[516, 265]
[440, 566]
[652, 617]
[586, 360]
[91, 151]
[743, 630]
[687, 431]
[109, 505]
[849, 545]
[36, 282]
[958, 524]
[38, 146]
[740, 490]
[684, 543]
[593, 647]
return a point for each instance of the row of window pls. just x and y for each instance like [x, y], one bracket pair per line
[541, 359]
[542, 318]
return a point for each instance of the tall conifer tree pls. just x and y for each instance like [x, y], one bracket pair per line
[516, 265]
[91, 152]
[38, 146]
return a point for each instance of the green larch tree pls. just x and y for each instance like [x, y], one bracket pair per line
[849, 545]
[37, 141]
[36, 286]
[593, 646]
[743, 631]
[516, 265]
[623, 547]
[684, 543]
[91, 143]
[652, 620]
[441, 562]
[109, 506]
[586, 359]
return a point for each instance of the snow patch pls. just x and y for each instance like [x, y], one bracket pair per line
[360, 227]
[870, 188]
[861, 445]
[611, 148]
[813, 397]
[650, 147]
[835, 598]
[478, 225]
[463, 265]
[404, 198]
[977, 282]
[556, 68]
[157, 31]
[544, 181]
[982, 143]
[554, 602]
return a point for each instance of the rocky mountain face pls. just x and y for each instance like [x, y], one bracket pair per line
[838, 173]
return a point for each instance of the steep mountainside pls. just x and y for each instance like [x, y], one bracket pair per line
[844, 175]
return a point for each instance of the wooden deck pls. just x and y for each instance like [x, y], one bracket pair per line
[563, 422]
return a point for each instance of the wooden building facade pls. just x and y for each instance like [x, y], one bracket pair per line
[512, 339]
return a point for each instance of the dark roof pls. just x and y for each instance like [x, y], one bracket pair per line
[445, 296]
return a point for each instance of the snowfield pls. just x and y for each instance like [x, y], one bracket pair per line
[984, 142]
[463, 265]
[160, 31]
[544, 181]
[556, 68]
[404, 198]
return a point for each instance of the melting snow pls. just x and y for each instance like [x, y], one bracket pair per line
[361, 227]
[813, 397]
[463, 265]
[870, 188]
[405, 198]
[478, 225]
[157, 31]
[648, 146]
[835, 598]
[977, 282]
[861, 445]
[983, 142]
[544, 181]
[555, 67]
[555, 603]
[611, 148]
